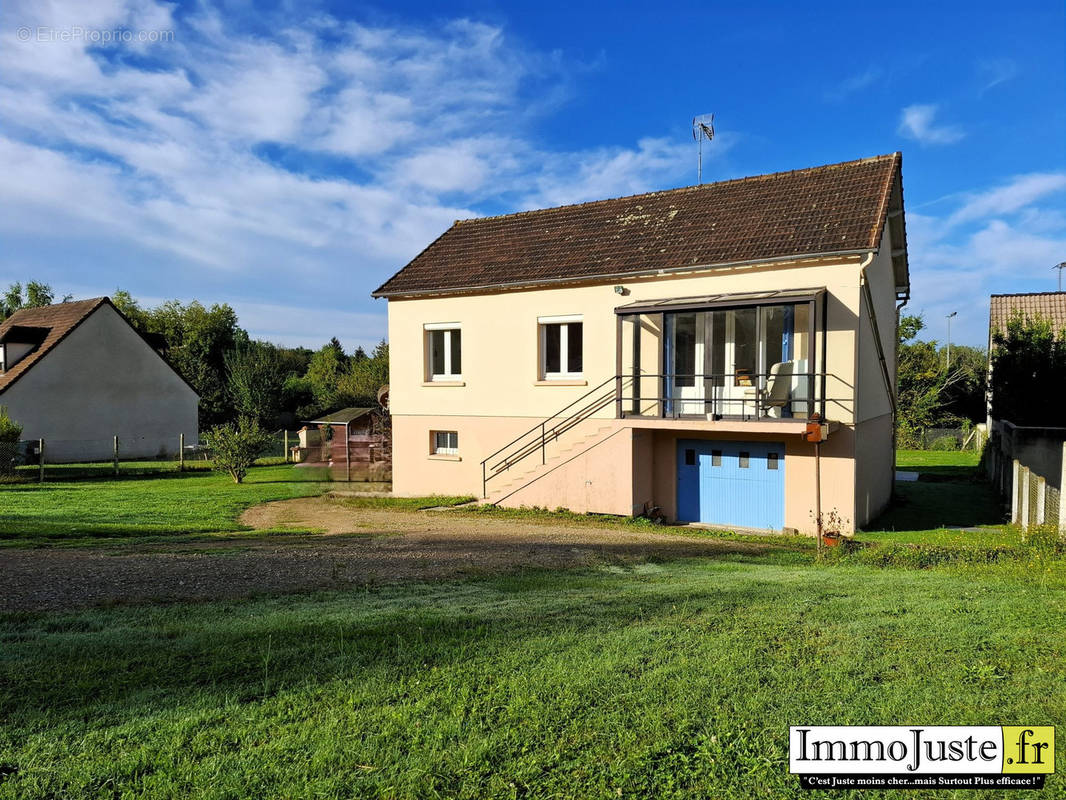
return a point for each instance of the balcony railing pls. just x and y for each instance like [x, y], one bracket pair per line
[737, 395]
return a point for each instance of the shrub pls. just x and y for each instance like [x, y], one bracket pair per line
[236, 447]
[10, 431]
[944, 443]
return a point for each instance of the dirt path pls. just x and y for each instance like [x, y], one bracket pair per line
[360, 546]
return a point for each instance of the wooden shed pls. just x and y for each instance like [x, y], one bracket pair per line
[356, 443]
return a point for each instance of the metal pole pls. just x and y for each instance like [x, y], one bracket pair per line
[114, 456]
[347, 453]
[286, 453]
[40, 462]
[543, 454]
[818, 494]
[952, 314]
[181, 452]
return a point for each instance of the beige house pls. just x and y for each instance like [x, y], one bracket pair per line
[78, 374]
[662, 353]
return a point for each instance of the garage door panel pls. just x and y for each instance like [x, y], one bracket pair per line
[731, 483]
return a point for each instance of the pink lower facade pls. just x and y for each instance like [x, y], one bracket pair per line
[629, 466]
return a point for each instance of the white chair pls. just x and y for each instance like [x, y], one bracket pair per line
[778, 389]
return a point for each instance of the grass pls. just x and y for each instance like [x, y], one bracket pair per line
[669, 680]
[72, 512]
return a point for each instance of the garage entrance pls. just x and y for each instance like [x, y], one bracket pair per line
[731, 483]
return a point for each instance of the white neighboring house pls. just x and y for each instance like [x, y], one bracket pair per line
[78, 374]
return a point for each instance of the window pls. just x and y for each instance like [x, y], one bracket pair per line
[690, 457]
[745, 458]
[445, 443]
[445, 356]
[771, 460]
[716, 458]
[561, 347]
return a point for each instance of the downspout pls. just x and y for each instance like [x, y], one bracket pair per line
[865, 284]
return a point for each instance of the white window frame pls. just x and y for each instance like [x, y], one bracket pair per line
[443, 451]
[448, 328]
[564, 352]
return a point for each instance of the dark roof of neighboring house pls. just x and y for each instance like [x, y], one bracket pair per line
[839, 208]
[59, 321]
[1050, 305]
[342, 417]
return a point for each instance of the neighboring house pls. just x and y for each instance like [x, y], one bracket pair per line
[78, 374]
[1048, 305]
[660, 353]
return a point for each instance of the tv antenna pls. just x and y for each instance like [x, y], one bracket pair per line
[702, 128]
[1060, 267]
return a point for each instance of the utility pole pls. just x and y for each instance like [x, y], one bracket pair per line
[952, 314]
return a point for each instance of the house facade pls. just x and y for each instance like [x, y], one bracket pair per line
[78, 374]
[662, 353]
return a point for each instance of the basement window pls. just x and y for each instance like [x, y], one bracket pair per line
[445, 443]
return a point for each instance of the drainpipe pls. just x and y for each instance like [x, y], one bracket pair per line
[865, 284]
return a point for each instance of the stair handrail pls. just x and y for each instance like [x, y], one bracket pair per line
[527, 449]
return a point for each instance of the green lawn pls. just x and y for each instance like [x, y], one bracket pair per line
[669, 680]
[135, 507]
[674, 679]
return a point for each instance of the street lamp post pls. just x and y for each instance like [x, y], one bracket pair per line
[952, 314]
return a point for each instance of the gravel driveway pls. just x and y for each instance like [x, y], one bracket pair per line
[358, 546]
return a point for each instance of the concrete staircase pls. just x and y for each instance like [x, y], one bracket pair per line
[569, 446]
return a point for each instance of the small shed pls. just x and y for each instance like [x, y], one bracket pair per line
[356, 442]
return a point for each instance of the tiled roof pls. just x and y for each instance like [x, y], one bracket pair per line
[342, 417]
[60, 319]
[822, 210]
[1050, 305]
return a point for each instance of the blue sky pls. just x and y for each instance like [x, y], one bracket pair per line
[287, 158]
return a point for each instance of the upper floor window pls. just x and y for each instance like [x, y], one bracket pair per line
[444, 357]
[561, 347]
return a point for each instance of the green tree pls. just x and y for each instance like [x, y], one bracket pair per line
[254, 381]
[324, 372]
[235, 447]
[361, 381]
[36, 294]
[1028, 372]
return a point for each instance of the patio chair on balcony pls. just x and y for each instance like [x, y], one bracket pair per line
[778, 390]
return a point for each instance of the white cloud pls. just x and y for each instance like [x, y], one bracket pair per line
[918, 122]
[854, 83]
[308, 164]
[1021, 191]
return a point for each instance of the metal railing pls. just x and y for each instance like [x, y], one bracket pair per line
[536, 439]
[738, 395]
[613, 391]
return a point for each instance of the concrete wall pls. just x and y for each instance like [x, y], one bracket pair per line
[101, 381]
[875, 470]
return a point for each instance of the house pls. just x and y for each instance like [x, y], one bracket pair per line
[662, 353]
[78, 374]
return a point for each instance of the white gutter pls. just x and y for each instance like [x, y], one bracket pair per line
[865, 284]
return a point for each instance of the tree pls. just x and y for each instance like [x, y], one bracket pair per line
[10, 433]
[254, 381]
[360, 383]
[235, 447]
[37, 294]
[324, 372]
[1028, 372]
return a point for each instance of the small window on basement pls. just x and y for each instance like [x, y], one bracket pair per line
[744, 459]
[561, 347]
[445, 443]
[690, 457]
[771, 460]
[716, 458]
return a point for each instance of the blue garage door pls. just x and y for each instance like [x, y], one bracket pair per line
[731, 483]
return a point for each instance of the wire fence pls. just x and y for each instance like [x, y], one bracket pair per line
[944, 439]
[116, 457]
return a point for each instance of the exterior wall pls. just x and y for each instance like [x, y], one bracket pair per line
[875, 469]
[873, 400]
[500, 339]
[102, 381]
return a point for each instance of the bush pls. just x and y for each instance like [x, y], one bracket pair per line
[10, 431]
[944, 443]
[236, 447]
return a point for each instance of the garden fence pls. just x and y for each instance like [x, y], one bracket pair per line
[968, 439]
[1028, 465]
[117, 456]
